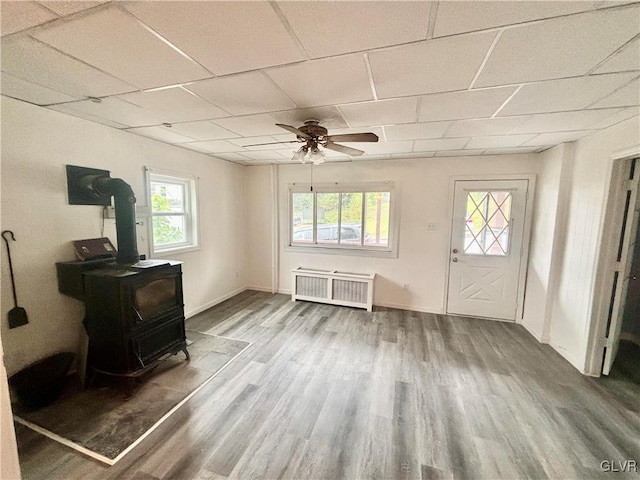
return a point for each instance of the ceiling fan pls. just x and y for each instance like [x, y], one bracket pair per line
[313, 135]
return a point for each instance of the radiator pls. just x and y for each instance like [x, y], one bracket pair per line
[334, 287]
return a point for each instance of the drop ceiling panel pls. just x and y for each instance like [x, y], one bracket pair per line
[232, 157]
[416, 131]
[65, 108]
[459, 17]
[18, 16]
[484, 127]
[626, 59]
[225, 37]
[216, 146]
[627, 96]
[67, 8]
[119, 45]
[557, 138]
[115, 110]
[174, 105]
[440, 144]
[499, 141]
[332, 28]
[256, 140]
[265, 155]
[329, 117]
[510, 151]
[15, 87]
[203, 130]
[381, 148]
[564, 121]
[459, 153]
[243, 94]
[384, 112]
[617, 117]
[558, 48]
[34, 61]
[325, 82]
[440, 65]
[250, 125]
[566, 94]
[159, 132]
[463, 105]
[414, 155]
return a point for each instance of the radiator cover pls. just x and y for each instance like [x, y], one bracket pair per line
[333, 287]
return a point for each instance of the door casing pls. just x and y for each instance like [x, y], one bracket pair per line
[526, 236]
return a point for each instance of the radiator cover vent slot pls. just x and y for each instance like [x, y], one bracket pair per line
[311, 286]
[350, 291]
[331, 286]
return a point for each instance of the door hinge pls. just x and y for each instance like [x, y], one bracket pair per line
[607, 342]
[616, 266]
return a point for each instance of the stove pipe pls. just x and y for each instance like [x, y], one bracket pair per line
[125, 207]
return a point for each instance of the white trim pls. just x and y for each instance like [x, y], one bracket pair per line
[275, 228]
[526, 233]
[601, 289]
[564, 353]
[113, 461]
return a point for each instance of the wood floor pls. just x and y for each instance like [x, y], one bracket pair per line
[332, 392]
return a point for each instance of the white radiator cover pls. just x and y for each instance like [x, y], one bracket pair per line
[334, 287]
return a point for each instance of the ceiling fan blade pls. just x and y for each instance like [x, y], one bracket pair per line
[270, 143]
[353, 152]
[353, 137]
[295, 131]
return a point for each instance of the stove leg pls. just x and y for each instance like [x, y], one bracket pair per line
[186, 353]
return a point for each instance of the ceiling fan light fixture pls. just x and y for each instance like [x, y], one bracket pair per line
[316, 156]
[300, 155]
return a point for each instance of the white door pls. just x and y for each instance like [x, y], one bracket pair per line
[486, 247]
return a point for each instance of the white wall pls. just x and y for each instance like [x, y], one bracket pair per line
[572, 319]
[36, 145]
[424, 191]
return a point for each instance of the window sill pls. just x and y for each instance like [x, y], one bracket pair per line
[174, 251]
[353, 252]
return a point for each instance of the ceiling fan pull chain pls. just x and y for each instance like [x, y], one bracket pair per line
[311, 180]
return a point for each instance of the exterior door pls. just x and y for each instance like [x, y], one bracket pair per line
[486, 247]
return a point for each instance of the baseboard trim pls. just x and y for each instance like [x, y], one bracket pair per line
[569, 358]
[212, 303]
[259, 289]
[535, 333]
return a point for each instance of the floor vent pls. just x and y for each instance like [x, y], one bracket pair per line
[331, 286]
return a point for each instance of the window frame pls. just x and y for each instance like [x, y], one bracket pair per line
[390, 251]
[191, 208]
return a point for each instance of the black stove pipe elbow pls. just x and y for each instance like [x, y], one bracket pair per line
[125, 207]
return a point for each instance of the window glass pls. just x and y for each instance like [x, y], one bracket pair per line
[327, 217]
[487, 228]
[351, 218]
[302, 217]
[377, 210]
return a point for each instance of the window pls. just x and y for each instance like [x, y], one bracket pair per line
[173, 201]
[487, 223]
[355, 218]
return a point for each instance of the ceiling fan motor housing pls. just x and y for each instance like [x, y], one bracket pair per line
[313, 129]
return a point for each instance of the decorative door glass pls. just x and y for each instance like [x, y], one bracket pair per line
[488, 224]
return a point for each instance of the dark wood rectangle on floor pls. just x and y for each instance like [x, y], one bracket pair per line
[333, 392]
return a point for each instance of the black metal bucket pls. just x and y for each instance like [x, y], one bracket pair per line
[40, 384]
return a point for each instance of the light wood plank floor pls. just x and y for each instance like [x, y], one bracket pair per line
[331, 392]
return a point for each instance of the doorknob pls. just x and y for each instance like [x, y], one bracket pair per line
[454, 259]
[455, 250]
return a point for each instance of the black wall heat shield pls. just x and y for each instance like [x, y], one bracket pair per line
[78, 188]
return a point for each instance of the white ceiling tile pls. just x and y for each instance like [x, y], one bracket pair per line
[15, 87]
[499, 141]
[115, 110]
[203, 130]
[617, 117]
[174, 105]
[557, 138]
[232, 157]
[563, 121]
[250, 125]
[460, 16]
[216, 146]
[162, 133]
[67, 8]
[459, 153]
[557, 48]
[243, 94]
[441, 65]
[627, 96]
[257, 140]
[225, 37]
[415, 131]
[383, 112]
[35, 62]
[626, 59]
[510, 151]
[332, 28]
[563, 95]
[380, 148]
[325, 82]
[17, 16]
[484, 127]
[463, 105]
[329, 117]
[265, 155]
[118, 44]
[440, 144]
[66, 108]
